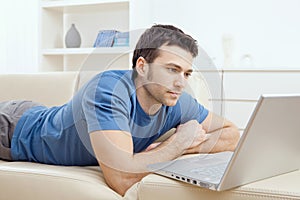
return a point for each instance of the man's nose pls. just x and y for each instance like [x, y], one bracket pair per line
[180, 81]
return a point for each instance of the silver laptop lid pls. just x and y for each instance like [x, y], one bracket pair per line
[270, 143]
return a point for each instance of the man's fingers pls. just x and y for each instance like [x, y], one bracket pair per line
[152, 146]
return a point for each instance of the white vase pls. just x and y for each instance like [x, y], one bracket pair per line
[72, 38]
[228, 50]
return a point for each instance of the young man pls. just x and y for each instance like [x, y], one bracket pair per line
[115, 118]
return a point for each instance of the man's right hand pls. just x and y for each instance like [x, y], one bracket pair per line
[122, 168]
[190, 134]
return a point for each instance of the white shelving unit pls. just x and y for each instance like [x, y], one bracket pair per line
[79, 51]
[243, 87]
[234, 92]
[89, 17]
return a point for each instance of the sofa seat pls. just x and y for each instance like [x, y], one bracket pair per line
[286, 186]
[25, 180]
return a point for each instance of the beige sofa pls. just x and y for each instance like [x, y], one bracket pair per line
[24, 180]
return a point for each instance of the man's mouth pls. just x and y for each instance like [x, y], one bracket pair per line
[174, 94]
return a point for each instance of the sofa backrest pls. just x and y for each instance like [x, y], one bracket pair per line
[197, 86]
[57, 88]
[51, 88]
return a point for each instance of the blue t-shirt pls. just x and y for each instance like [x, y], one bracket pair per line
[60, 135]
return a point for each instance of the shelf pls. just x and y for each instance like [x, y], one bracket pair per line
[73, 7]
[63, 3]
[261, 70]
[83, 51]
[89, 16]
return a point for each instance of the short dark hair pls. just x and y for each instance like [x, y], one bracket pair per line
[158, 35]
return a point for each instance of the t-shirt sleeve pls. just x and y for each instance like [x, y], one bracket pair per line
[105, 104]
[191, 109]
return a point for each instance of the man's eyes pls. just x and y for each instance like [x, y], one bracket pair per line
[173, 70]
[188, 74]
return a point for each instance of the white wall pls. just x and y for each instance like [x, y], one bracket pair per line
[266, 30]
[18, 36]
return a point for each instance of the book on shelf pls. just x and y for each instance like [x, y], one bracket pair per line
[111, 38]
[121, 39]
[105, 38]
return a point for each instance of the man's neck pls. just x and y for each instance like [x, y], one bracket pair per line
[146, 101]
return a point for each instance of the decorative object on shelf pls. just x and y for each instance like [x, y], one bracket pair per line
[73, 39]
[246, 61]
[121, 39]
[112, 38]
[228, 50]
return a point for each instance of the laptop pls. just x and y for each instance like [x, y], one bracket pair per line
[268, 147]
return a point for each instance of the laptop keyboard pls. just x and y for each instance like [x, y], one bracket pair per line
[211, 173]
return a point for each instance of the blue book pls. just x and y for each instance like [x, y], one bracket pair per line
[105, 38]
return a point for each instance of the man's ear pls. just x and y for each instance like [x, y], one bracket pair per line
[141, 66]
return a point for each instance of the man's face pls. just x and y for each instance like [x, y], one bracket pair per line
[168, 74]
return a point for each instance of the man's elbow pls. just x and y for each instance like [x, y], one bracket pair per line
[120, 180]
[120, 187]
[121, 184]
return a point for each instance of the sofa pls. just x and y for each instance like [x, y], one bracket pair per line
[25, 180]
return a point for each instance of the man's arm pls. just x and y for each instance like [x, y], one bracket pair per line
[222, 135]
[122, 168]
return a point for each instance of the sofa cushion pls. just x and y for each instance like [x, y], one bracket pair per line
[25, 180]
[285, 186]
[51, 89]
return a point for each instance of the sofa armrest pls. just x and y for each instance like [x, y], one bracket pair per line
[285, 186]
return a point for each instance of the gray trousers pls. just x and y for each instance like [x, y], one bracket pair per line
[10, 113]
